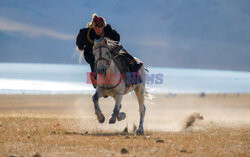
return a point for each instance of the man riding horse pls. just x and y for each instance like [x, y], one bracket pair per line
[95, 30]
[107, 60]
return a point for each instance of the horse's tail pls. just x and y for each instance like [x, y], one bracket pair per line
[146, 90]
[148, 95]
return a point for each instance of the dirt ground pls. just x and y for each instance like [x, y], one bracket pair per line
[65, 125]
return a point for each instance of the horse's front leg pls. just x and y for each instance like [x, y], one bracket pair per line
[98, 111]
[116, 112]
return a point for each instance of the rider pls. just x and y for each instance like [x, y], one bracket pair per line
[97, 29]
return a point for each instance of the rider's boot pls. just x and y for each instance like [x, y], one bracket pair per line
[137, 66]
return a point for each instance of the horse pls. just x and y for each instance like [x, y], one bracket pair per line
[105, 66]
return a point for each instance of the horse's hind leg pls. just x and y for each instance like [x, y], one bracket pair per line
[140, 96]
[98, 111]
[116, 112]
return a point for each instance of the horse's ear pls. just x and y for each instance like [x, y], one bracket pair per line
[105, 41]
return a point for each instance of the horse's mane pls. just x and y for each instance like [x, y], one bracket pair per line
[104, 42]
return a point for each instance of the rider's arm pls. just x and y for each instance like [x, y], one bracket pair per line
[111, 33]
[81, 39]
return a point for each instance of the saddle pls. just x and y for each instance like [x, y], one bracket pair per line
[126, 65]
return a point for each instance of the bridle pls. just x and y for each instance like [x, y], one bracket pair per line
[102, 58]
[107, 66]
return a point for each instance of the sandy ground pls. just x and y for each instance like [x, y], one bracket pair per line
[65, 125]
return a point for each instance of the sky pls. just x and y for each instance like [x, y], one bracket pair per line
[203, 34]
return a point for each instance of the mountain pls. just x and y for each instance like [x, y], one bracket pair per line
[211, 34]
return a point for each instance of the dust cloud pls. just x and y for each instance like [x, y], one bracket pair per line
[184, 112]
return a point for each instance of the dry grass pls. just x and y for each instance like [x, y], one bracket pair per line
[26, 136]
[51, 132]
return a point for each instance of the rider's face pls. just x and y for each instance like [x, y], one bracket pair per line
[98, 30]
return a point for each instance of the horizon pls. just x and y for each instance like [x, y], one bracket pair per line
[39, 78]
[86, 64]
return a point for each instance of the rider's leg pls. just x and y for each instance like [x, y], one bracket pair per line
[134, 64]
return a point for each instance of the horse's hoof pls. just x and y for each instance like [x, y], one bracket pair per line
[139, 132]
[121, 116]
[101, 119]
[112, 120]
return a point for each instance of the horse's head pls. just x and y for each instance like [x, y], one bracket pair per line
[101, 51]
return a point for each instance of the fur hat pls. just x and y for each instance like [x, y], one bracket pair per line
[97, 21]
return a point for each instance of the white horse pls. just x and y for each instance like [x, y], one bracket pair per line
[116, 88]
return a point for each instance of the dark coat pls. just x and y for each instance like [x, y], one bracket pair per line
[85, 38]
[83, 42]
